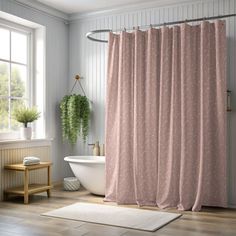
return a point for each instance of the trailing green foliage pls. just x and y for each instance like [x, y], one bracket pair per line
[26, 115]
[64, 117]
[84, 116]
[75, 115]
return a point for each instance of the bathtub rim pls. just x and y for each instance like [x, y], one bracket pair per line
[85, 159]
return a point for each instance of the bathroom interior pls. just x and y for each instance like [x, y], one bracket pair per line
[117, 117]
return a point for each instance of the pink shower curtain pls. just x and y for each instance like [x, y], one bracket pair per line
[166, 117]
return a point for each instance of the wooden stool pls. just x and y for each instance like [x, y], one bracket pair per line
[28, 189]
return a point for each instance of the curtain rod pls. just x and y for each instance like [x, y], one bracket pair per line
[90, 33]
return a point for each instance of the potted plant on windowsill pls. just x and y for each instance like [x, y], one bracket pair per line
[26, 115]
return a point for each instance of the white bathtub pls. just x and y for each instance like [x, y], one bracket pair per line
[90, 170]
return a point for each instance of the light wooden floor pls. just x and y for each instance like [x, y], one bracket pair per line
[25, 220]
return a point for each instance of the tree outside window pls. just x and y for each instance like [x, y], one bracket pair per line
[14, 76]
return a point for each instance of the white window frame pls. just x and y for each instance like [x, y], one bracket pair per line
[14, 27]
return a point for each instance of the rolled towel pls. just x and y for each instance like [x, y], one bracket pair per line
[31, 161]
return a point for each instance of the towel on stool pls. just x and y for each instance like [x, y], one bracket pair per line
[31, 161]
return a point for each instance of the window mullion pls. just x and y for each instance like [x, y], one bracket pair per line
[14, 62]
[29, 78]
[9, 89]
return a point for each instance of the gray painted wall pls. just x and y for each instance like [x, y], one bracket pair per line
[89, 59]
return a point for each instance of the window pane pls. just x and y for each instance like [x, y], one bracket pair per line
[16, 103]
[18, 80]
[19, 47]
[4, 44]
[4, 78]
[4, 121]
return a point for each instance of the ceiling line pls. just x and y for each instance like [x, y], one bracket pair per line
[43, 9]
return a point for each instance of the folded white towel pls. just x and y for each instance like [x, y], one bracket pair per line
[31, 160]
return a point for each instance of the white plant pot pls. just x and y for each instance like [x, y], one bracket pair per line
[26, 133]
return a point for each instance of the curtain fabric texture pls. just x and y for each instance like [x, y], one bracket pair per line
[166, 117]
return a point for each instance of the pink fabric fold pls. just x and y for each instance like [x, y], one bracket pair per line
[166, 117]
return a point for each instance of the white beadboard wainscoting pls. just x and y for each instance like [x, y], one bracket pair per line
[89, 59]
[12, 155]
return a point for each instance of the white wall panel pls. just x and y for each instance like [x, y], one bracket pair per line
[90, 59]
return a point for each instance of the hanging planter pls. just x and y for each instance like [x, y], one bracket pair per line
[75, 115]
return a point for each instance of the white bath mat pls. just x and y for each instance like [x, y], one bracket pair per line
[117, 216]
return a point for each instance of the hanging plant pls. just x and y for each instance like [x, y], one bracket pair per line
[75, 115]
[73, 118]
[64, 117]
[84, 116]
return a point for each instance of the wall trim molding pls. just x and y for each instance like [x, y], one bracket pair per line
[10, 144]
[70, 18]
[42, 8]
[128, 8]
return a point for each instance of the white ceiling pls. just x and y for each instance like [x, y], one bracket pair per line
[81, 6]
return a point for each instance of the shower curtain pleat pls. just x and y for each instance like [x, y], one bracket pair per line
[166, 118]
[145, 119]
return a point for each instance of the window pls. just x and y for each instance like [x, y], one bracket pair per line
[22, 73]
[15, 74]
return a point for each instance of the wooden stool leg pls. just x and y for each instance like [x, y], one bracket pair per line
[49, 181]
[26, 187]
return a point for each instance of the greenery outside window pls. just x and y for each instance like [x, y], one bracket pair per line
[15, 75]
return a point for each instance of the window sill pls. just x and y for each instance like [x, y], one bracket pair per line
[20, 143]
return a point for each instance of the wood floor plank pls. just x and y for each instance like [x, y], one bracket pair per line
[74, 232]
[19, 219]
[101, 230]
